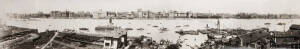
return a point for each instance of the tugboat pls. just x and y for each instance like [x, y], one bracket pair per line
[177, 26]
[186, 25]
[155, 26]
[109, 27]
[128, 29]
[164, 29]
[140, 29]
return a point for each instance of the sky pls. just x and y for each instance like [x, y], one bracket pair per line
[216, 6]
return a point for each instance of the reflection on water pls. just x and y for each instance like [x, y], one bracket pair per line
[152, 27]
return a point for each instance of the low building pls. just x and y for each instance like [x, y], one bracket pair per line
[105, 37]
[257, 38]
[201, 15]
[290, 39]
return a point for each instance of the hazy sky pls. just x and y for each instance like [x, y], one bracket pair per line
[219, 6]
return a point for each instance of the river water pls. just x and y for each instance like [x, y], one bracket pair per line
[154, 32]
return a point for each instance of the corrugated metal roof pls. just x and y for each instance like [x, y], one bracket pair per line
[295, 26]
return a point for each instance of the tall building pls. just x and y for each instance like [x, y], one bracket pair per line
[99, 14]
[171, 14]
[165, 14]
[111, 14]
[140, 13]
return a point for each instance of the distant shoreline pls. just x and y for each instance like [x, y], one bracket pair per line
[36, 19]
[149, 18]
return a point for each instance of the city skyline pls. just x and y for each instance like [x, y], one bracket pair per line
[149, 24]
[213, 6]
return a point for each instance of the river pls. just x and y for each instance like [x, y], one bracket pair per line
[154, 32]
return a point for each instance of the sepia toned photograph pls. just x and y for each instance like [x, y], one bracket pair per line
[149, 24]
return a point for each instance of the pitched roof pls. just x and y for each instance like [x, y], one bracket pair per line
[295, 26]
[254, 36]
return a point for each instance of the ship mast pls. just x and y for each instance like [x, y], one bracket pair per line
[110, 18]
[207, 27]
[218, 25]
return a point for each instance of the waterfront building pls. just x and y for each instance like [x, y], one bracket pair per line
[30, 15]
[60, 14]
[272, 16]
[131, 15]
[158, 15]
[99, 14]
[124, 15]
[144, 14]
[149, 14]
[81, 14]
[200, 15]
[243, 15]
[176, 14]
[171, 14]
[182, 15]
[40, 15]
[110, 14]
[285, 16]
[255, 15]
[165, 14]
[225, 15]
[134, 14]
[139, 13]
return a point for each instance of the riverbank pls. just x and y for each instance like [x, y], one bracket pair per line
[155, 32]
